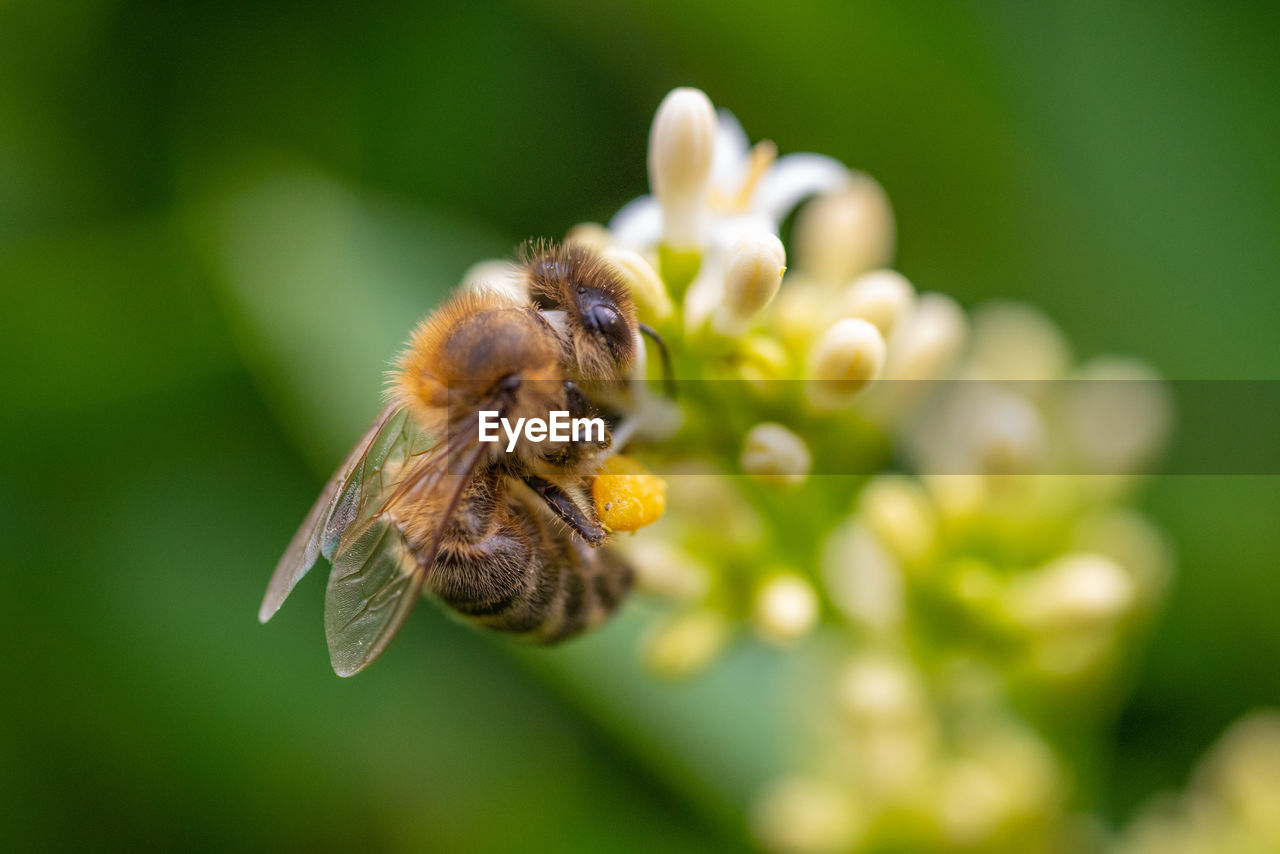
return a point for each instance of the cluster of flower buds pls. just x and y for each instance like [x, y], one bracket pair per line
[1006, 560]
[1232, 805]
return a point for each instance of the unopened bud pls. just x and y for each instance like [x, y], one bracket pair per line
[591, 234]
[864, 581]
[880, 297]
[924, 345]
[668, 571]
[901, 515]
[1074, 591]
[786, 607]
[754, 271]
[800, 815]
[647, 290]
[1243, 773]
[686, 643]
[773, 454]
[495, 276]
[845, 233]
[1017, 342]
[928, 340]
[681, 144]
[878, 689]
[1134, 542]
[1118, 413]
[1006, 432]
[849, 355]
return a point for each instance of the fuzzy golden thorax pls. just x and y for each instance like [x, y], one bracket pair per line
[479, 351]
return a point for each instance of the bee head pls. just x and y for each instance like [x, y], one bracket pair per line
[588, 302]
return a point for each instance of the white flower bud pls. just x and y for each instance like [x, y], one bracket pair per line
[973, 801]
[927, 341]
[1004, 430]
[1243, 771]
[880, 297]
[849, 355]
[754, 271]
[799, 815]
[899, 512]
[1016, 342]
[845, 233]
[923, 346]
[1130, 539]
[681, 144]
[666, 570]
[498, 277]
[773, 454]
[1075, 591]
[957, 497]
[591, 234]
[879, 690]
[1118, 413]
[786, 607]
[1003, 775]
[863, 580]
[686, 643]
[650, 294]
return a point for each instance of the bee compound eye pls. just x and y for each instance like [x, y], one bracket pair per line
[603, 317]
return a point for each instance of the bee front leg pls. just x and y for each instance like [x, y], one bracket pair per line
[572, 504]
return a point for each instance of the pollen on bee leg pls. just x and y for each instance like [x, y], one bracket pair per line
[627, 496]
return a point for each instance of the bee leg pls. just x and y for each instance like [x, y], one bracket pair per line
[577, 513]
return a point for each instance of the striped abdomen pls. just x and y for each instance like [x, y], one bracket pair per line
[507, 565]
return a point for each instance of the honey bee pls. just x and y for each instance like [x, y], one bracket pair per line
[510, 541]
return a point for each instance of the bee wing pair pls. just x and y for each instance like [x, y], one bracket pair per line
[377, 574]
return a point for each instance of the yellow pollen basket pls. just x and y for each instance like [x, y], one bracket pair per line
[627, 495]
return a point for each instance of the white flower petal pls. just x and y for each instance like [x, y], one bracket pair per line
[728, 230]
[637, 224]
[731, 149]
[793, 178]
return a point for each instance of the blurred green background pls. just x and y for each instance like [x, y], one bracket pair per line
[218, 221]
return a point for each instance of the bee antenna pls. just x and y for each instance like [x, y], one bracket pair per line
[668, 375]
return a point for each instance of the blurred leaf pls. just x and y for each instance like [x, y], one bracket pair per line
[323, 286]
[98, 314]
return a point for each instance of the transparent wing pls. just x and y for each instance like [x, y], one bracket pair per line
[375, 581]
[348, 490]
[377, 573]
[364, 492]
